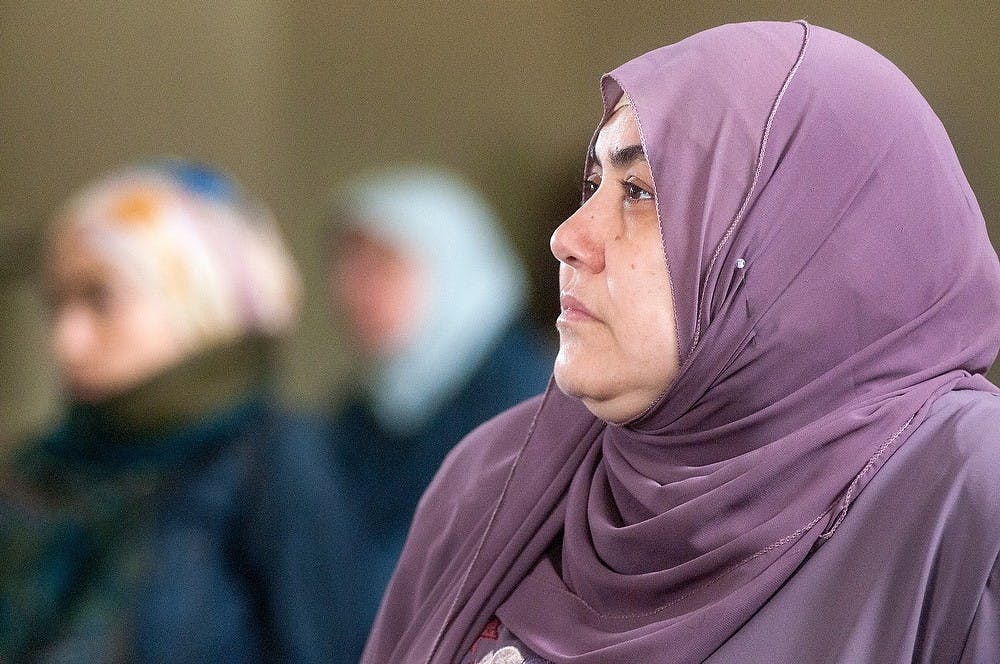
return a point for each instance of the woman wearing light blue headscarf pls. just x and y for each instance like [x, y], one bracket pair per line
[434, 296]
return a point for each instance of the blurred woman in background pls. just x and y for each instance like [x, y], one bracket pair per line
[175, 514]
[434, 297]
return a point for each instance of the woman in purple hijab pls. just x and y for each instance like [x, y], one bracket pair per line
[769, 437]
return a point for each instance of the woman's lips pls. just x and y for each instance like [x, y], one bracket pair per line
[573, 310]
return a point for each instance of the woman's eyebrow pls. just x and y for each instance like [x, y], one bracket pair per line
[624, 156]
[621, 157]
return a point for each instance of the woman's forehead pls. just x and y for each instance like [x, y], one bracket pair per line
[619, 139]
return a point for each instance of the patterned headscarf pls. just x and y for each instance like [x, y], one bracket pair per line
[194, 238]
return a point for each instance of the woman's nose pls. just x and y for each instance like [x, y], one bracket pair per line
[71, 334]
[576, 242]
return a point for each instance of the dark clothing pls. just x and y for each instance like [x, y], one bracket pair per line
[388, 472]
[215, 538]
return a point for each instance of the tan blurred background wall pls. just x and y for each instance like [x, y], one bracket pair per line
[291, 96]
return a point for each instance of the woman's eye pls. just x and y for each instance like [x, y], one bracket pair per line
[636, 193]
[98, 297]
[588, 188]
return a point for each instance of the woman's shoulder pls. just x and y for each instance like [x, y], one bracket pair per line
[911, 563]
[454, 511]
[962, 433]
[972, 413]
[963, 428]
[460, 498]
[485, 455]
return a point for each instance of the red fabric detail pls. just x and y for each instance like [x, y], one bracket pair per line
[490, 632]
[492, 629]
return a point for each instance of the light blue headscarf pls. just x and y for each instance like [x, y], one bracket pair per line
[476, 283]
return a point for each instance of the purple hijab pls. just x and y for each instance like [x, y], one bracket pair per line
[832, 277]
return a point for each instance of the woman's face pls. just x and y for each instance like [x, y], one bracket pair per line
[107, 333]
[617, 334]
[381, 291]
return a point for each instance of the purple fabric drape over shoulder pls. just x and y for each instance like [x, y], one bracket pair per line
[832, 277]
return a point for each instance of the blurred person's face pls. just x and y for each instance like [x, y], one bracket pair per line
[617, 335]
[381, 290]
[108, 334]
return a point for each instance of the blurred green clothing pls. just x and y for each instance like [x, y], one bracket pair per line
[187, 520]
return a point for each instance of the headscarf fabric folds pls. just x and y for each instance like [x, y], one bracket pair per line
[832, 277]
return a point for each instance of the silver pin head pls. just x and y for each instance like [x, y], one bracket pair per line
[740, 263]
